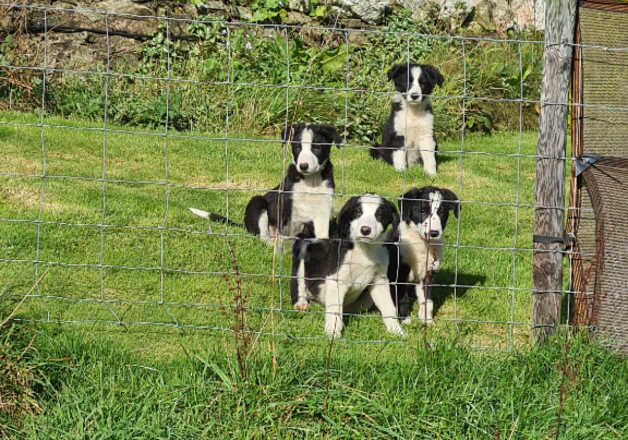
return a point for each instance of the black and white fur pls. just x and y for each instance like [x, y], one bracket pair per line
[424, 213]
[336, 272]
[408, 135]
[305, 194]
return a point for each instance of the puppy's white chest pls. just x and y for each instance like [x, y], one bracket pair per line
[311, 200]
[360, 268]
[416, 254]
[413, 125]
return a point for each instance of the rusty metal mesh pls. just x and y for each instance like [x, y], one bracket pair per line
[598, 215]
[606, 183]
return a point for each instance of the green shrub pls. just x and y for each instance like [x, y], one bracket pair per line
[256, 78]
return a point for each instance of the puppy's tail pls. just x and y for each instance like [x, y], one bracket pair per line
[374, 151]
[214, 217]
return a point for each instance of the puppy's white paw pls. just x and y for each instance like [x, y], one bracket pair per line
[407, 321]
[396, 329]
[302, 305]
[333, 328]
[436, 265]
[425, 318]
[333, 333]
[399, 160]
[430, 170]
[426, 321]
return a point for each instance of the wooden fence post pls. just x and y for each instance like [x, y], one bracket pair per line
[550, 168]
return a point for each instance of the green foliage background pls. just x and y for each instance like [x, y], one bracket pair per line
[257, 76]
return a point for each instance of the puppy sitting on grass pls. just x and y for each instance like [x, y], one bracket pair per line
[408, 135]
[424, 214]
[336, 272]
[305, 194]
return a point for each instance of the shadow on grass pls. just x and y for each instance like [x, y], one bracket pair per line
[463, 283]
[440, 294]
[442, 158]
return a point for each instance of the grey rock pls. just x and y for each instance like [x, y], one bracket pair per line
[244, 13]
[215, 6]
[353, 23]
[496, 14]
[122, 6]
[295, 17]
[299, 5]
[369, 11]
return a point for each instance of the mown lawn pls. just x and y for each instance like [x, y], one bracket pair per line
[124, 250]
[132, 313]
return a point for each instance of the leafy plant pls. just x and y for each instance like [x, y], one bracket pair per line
[268, 10]
[243, 73]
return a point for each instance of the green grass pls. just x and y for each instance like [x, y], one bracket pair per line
[142, 347]
[258, 63]
[95, 388]
[133, 281]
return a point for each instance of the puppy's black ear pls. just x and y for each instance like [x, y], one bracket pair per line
[286, 133]
[454, 201]
[411, 199]
[394, 70]
[307, 231]
[344, 217]
[395, 216]
[317, 251]
[433, 74]
[331, 134]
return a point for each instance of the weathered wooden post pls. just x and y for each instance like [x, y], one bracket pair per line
[550, 168]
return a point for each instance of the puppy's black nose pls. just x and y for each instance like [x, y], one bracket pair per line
[304, 166]
[434, 234]
[365, 230]
[415, 96]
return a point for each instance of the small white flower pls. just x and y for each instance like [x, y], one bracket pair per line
[248, 45]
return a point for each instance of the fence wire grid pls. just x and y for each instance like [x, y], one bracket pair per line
[168, 269]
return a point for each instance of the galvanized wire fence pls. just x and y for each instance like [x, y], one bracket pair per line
[268, 295]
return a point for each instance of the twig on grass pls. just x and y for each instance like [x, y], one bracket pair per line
[17, 395]
[330, 346]
[21, 301]
[241, 336]
[568, 376]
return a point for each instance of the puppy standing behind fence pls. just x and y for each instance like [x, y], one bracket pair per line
[424, 214]
[305, 194]
[408, 135]
[336, 272]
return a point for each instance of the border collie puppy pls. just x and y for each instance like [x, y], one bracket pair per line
[305, 194]
[408, 135]
[336, 272]
[424, 214]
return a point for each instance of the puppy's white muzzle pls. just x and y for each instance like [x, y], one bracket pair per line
[307, 163]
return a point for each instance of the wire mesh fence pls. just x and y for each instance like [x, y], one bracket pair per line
[95, 214]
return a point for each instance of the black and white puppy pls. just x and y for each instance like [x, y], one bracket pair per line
[424, 213]
[408, 135]
[305, 194]
[336, 272]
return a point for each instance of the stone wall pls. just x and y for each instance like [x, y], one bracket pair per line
[77, 35]
[498, 15]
